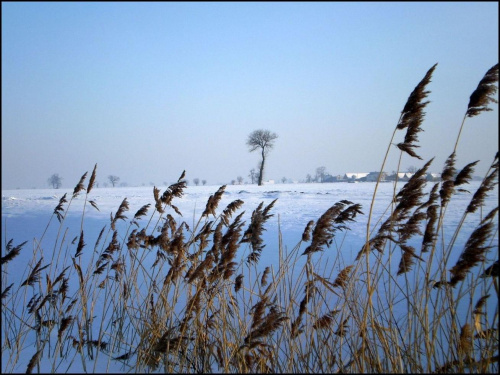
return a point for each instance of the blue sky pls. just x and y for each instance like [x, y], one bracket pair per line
[147, 90]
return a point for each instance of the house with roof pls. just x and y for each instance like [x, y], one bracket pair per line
[355, 176]
[401, 176]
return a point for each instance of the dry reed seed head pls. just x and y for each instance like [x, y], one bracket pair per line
[408, 149]
[343, 277]
[79, 187]
[464, 176]
[173, 191]
[326, 320]
[59, 207]
[483, 95]
[142, 211]
[486, 185]
[324, 230]
[412, 226]
[465, 342]
[65, 322]
[430, 230]
[238, 283]
[81, 245]
[449, 170]
[306, 235]
[407, 260]
[35, 274]
[158, 202]
[34, 361]
[413, 108]
[12, 252]
[473, 253]
[92, 179]
[413, 114]
[478, 308]
[415, 184]
[491, 215]
[433, 196]
[491, 271]
[119, 214]
[5, 292]
[229, 210]
[263, 280]
[213, 202]
[253, 234]
[342, 328]
[199, 271]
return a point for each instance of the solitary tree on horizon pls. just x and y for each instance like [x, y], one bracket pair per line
[55, 181]
[114, 179]
[263, 139]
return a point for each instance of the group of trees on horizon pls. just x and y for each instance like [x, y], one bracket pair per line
[260, 139]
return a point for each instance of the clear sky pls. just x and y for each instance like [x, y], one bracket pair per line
[147, 90]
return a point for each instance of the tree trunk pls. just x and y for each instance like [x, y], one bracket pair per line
[261, 173]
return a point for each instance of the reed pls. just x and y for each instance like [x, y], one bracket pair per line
[152, 294]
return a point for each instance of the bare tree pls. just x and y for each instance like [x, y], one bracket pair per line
[283, 180]
[412, 169]
[55, 181]
[239, 179]
[203, 182]
[196, 181]
[320, 174]
[253, 176]
[263, 139]
[309, 178]
[114, 179]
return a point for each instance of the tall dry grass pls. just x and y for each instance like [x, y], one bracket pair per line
[156, 295]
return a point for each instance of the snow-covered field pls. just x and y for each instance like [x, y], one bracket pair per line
[25, 214]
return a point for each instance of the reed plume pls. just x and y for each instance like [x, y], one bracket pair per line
[326, 320]
[81, 245]
[5, 292]
[486, 185]
[465, 175]
[473, 252]
[229, 210]
[12, 252]
[263, 280]
[483, 95]
[491, 271]
[141, 212]
[119, 214]
[343, 277]
[478, 308]
[332, 220]
[448, 180]
[35, 274]
[33, 361]
[413, 114]
[174, 191]
[238, 283]
[306, 235]
[408, 259]
[92, 179]
[59, 208]
[213, 202]
[253, 234]
[79, 187]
